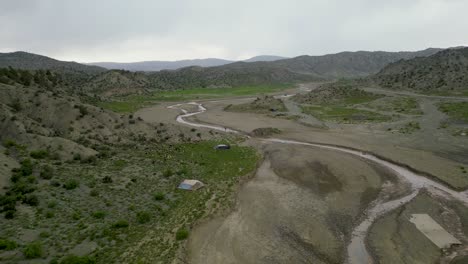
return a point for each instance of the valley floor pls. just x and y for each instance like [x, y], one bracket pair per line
[304, 203]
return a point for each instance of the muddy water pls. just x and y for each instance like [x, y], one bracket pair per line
[356, 250]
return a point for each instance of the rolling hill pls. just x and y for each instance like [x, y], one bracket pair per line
[30, 61]
[446, 70]
[339, 65]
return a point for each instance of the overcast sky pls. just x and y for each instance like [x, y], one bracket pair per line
[137, 30]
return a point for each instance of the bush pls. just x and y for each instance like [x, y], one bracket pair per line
[94, 192]
[49, 214]
[77, 156]
[167, 173]
[47, 172]
[6, 244]
[10, 214]
[182, 234]
[107, 179]
[72, 259]
[143, 217]
[31, 200]
[71, 184]
[39, 154]
[26, 167]
[8, 143]
[99, 214]
[120, 224]
[33, 250]
[159, 196]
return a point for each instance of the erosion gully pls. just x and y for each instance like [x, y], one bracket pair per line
[356, 250]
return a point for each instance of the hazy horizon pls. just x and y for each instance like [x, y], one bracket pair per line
[115, 31]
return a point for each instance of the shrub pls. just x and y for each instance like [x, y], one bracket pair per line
[83, 110]
[159, 196]
[47, 172]
[39, 154]
[71, 184]
[94, 192]
[26, 167]
[49, 214]
[99, 214]
[120, 224]
[8, 143]
[72, 259]
[6, 244]
[77, 156]
[31, 200]
[143, 217]
[167, 173]
[107, 179]
[10, 214]
[182, 234]
[33, 250]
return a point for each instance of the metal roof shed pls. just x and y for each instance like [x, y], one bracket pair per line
[191, 185]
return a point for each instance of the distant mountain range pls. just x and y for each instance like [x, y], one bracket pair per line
[174, 65]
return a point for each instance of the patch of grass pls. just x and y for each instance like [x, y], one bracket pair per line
[457, 111]
[344, 114]
[33, 250]
[6, 244]
[71, 184]
[119, 164]
[409, 128]
[132, 103]
[98, 214]
[182, 234]
[159, 196]
[400, 104]
[143, 217]
[120, 224]
[39, 154]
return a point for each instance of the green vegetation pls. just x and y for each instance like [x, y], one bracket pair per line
[33, 250]
[400, 104]
[39, 154]
[99, 214]
[143, 217]
[6, 244]
[182, 234]
[344, 114]
[120, 224]
[71, 184]
[264, 104]
[409, 128]
[457, 111]
[143, 195]
[341, 93]
[43, 78]
[159, 196]
[131, 103]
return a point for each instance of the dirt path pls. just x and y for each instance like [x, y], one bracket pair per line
[356, 251]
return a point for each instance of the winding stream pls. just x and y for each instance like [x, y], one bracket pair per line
[356, 249]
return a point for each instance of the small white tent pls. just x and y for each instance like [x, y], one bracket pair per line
[191, 185]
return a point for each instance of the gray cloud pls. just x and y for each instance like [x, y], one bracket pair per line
[119, 30]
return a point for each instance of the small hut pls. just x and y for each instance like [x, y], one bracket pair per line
[191, 185]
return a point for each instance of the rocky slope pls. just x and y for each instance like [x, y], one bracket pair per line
[446, 71]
